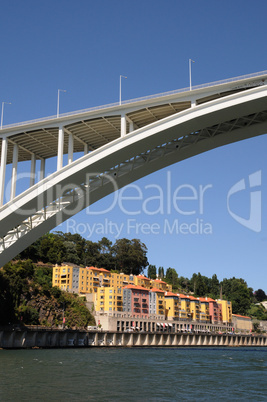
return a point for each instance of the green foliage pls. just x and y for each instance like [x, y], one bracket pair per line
[43, 276]
[26, 290]
[152, 271]
[260, 295]
[172, 277]
[161, 272]
[237, 291]
[258, 312]
[130, 256]
[28, 315]
[125, 255]
[55, 292]
[214, 287]
[199, 285]
[183, 283]
[75, 312]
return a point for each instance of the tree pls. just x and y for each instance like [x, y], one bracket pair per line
[152, 271]
[172, 277]
[161, 272]
[92, 254]
[199, 285]
[106, 258]
[71, 252]
[237, 291]
[214, 287]
[260, 295]
[130, 256]
[183, 283]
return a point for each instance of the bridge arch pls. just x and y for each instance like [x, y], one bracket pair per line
[85, 181]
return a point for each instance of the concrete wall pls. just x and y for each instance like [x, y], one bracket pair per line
[61, 339]
[242, 323]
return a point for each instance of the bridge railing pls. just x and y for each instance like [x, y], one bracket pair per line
[148, 97]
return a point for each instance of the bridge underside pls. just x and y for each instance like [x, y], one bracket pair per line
[122, 160]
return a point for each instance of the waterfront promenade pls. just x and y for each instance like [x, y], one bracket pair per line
[47, 338]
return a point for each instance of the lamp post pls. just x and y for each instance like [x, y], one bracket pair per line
[121, 76]
[2, 113]
[58, 91]
[190, 78]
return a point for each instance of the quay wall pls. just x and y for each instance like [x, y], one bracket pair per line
[23, 339]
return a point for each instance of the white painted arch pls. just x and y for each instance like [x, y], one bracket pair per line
[146, 150]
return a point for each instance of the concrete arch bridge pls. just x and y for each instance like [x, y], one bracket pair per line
[120, 144]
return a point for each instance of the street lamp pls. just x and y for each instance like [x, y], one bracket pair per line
[121, 76]
[190, 78]
[2, 114]
[58, 91]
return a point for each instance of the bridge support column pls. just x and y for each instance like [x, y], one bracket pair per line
[3, 170]
[131, 126]
[42, 169]
[14, 171]
[60, 147]
[123, 125]
[33, 167]
[85, 149]
[70, 148]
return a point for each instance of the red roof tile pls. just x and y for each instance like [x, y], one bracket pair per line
[133, 287]
[157, 290]
[98, 269]
[241, 316]
[203, 299]
[171, 294]
[143, 277]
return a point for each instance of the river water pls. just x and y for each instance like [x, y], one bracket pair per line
[134, 374]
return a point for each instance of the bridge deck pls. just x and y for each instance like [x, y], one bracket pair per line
[96, 127]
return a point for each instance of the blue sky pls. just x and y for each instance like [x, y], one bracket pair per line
[84, 46]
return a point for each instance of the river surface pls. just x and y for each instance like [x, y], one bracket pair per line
[134, 374]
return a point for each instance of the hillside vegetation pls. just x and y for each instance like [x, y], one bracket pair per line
[28, 298]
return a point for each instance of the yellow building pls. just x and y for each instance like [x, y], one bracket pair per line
[226, 310]
[159, 284]
[121, 280]
[172, 305]
[156, 301]
[108, 299]
[185, 312]
[92, 278]
[204, 310]
[141, 280]
[66, 277]
[194, 308]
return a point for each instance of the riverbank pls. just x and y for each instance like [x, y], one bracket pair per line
[48, 338]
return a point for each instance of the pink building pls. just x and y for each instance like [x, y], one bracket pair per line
[215, 310]
[136, 301]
